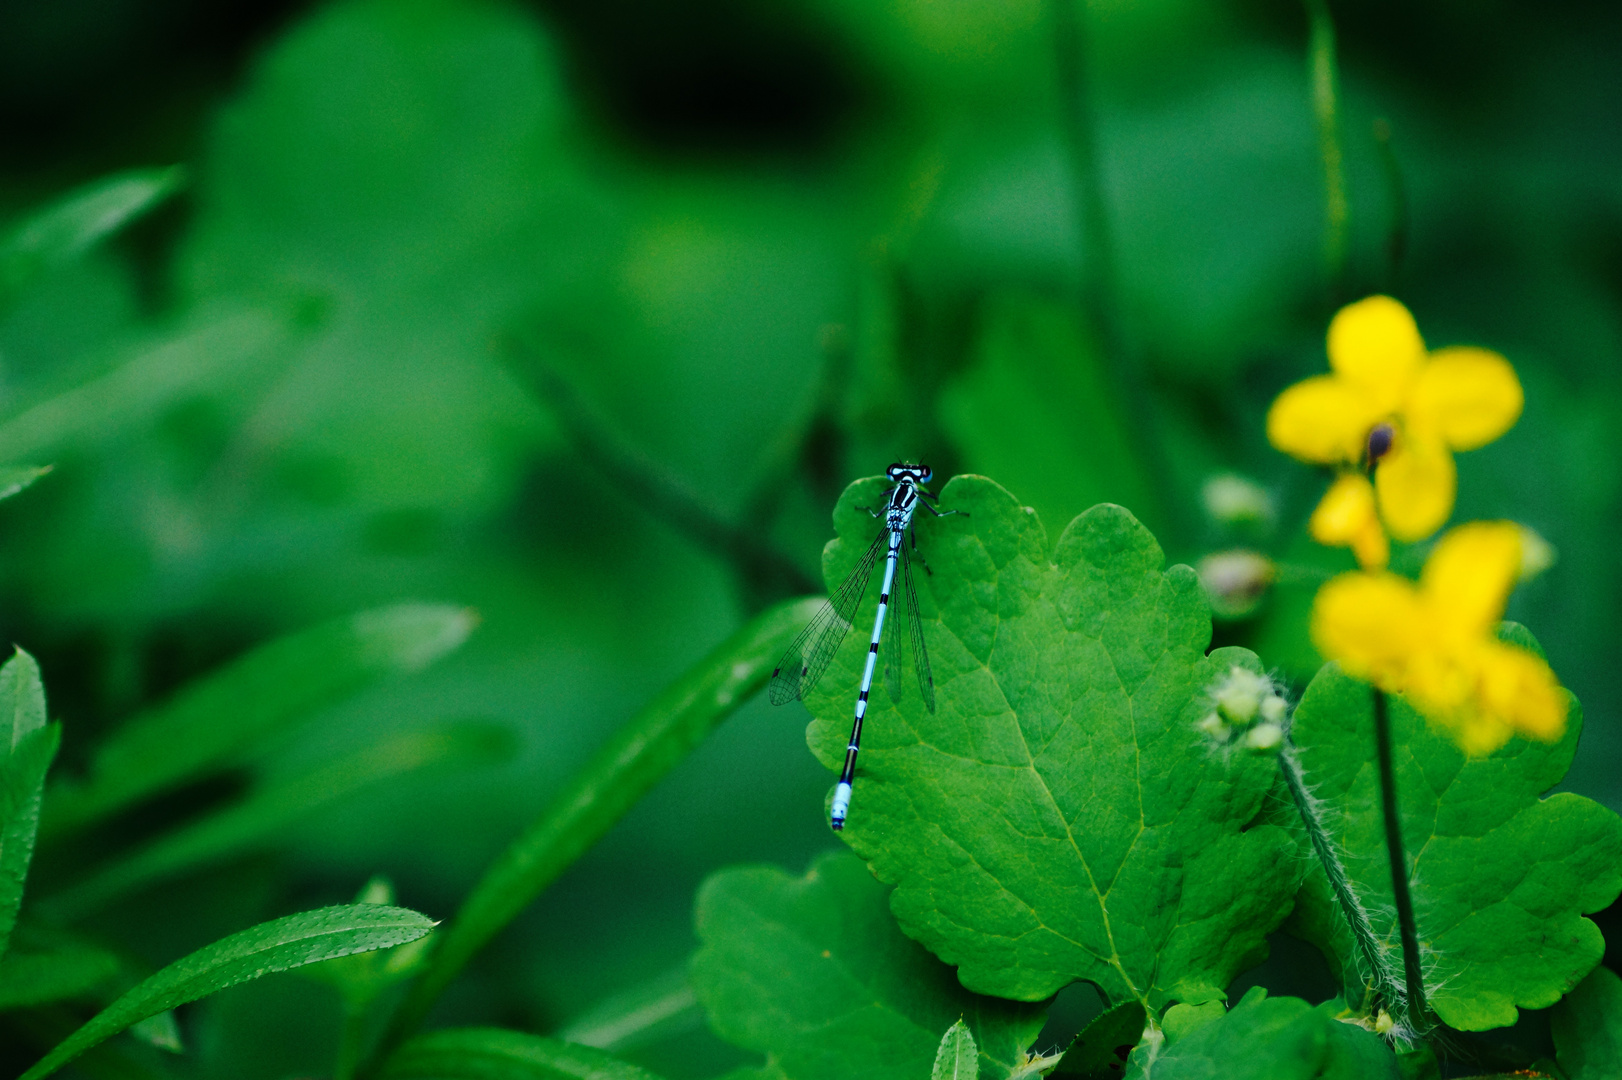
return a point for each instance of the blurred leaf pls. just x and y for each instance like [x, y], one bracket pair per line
[160, 1031]
[1100, 1050]
[957, 1058]
[1059, 816]
[1037, 411]
[1587, 1028]
[1500, 878]
[498, 1054]
[815, 973]
[656, 1009]
[18, 478]
[29, 746]
[80, 219]
[271, 688]
[278, 945]
[1268, 1038]
[635, 759]
[262, 816]
[229, 342]
[54, 968]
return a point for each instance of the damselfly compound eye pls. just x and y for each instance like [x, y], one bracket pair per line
[929, 474]
[896, 471]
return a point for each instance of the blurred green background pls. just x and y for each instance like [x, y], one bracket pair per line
[582, 314]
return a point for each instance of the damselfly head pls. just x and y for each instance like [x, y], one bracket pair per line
[918, 474]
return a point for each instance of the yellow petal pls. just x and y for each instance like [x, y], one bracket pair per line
[1346, 518]
[1375, 343]
[1467, 579]
[1416, 483]
[1519, 688]
[1324, 420]
[1371, 623]
[1470, 396]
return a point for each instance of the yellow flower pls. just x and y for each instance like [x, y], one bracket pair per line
[1346, 518]
[1434, 642]
[1456, 398]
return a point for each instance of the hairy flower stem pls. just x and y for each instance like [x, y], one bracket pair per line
[1399, 862]
[1380, 973]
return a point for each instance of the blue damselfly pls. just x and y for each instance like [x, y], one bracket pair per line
[806, 660]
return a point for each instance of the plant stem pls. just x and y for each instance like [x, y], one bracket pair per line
[1326, 108]
[1399, 862]
[1381, 974]
[1396, 242]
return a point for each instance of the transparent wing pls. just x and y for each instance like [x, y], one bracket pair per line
[808, 657]
[890, 647]
[915, 624]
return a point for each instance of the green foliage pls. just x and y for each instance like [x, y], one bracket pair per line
[1500, 877]
[16, 479]
[814, 973]
[1062, 765]
[643, 751]
[1587, 1028]
[958, 1058]
[278, 945]
[77, 221]
[44, 967]
[497, 1054]
[28, 745]
[272, 688]
[1267, 1038]
[1100, 1050]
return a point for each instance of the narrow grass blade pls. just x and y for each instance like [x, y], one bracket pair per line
[498, 1054]
[230, 344]
[15, 479]
[27, 747]
[78, 221]
[646, 749]
[271, 688]
[656, 1009]
[262, 816]
[273, 946]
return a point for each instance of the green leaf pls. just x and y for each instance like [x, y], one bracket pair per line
[361, 977]
[656, 1009]
[1268, 1038]
[1587, 1028]
[266, 812]
[273, 946]
[958, 1058]
[270, 689]
[1062, 764]
[1500, 878]
[1101, 1049]
[228, 343]
[1037, 410]
[637, 757]
[815, 972]
[40, 969]
[498, 1054]
[15, 479]
[76, 222]
[160, 1031]
[29, 746]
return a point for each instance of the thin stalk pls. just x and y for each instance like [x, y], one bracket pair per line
[1099, 292]
[351, 1041]
[1375, 957]
[1399, 863]
[1396, 240]
[1326, 109]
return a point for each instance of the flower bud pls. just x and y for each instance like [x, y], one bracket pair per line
[1264, 737]
[1240, 694]
[1272, 710]
[1383, 1023]
[1537, 554]
[1235, 581]
[1231, 499]
[1211, 724]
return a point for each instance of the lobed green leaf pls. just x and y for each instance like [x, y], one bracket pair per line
[274, 946]
[269, 689]
[499, 1054]
[814, 972]
[1059, 816]
[1587, 1028]
[1100, 1050]
[1500, 878]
